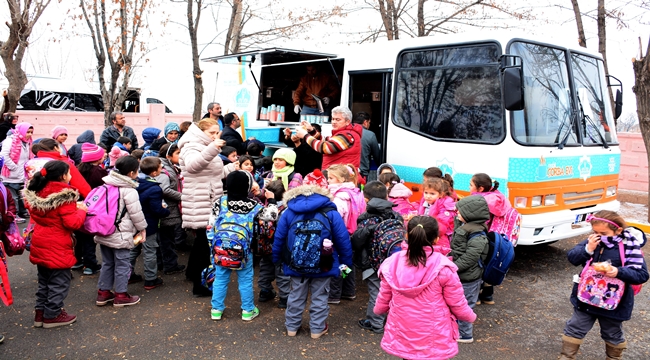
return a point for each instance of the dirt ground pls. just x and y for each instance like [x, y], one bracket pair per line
[525, 323]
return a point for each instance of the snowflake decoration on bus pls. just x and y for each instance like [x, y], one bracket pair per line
[446, 166]
[585, 167]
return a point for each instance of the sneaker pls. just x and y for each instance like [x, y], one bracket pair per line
[266, 295]
[19, 220]
[77, 266]
[92, 270]
[348, 297]
[365, 324]
[250, 315]
[282, 303]
[334, 301]
[175, 270]
[24, 215]
[124, 299]
[38, 318]
[104, 297]
[465, 340]
[134, 278]
[62, 319]
[152, 284]
[216, 314]
[2, 338]
[292, 333]
[488, 300]
[317, 335]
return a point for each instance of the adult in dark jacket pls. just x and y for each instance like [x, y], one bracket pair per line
[119, 128]
[369, 144]
[301, 202]
[230, 134]
[75, 151]
[9, 121]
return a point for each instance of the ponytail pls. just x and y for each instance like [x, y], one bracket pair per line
[450, 180]
[422, 232]
[483, 180]
[390, 178]
[51, 171]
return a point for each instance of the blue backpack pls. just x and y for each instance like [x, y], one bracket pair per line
[305, 241]
[231, 244]
[500, 256]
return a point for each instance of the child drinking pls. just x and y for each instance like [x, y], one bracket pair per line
[437, 194]
[622, 247]
[415, 279]
[54, 208]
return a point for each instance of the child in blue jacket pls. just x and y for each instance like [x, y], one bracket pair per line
[309, 201]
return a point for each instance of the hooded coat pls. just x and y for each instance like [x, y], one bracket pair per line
[399, 195]
[16, 172]
[149, 135]
[468, 253]
[151, 197]
[308, 199]
[75, 152]
[363, 236]
[203, 171]
[54, 211]
[423, 305]
[349, 202]
[133, 220]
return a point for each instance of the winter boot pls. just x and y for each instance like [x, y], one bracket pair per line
[124, 299]
[615, 352]
[570, 347]
[104, 297]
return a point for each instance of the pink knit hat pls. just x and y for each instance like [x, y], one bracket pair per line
[91, 153]
[315, 178]
[58, 130]
[115, 154]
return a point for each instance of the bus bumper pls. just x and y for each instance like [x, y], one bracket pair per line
[558, 225]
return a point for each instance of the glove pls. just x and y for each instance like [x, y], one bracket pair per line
[326, 101]
[297, 109]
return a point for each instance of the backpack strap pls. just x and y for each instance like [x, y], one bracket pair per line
[118, 220]
[475, 234]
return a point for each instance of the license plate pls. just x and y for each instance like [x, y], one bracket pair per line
[581, 218]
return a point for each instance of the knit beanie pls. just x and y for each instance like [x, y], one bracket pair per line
[91, 153]
[239, 183]
[115, 154]
[58, 130]
[285, 154]
[315, 178]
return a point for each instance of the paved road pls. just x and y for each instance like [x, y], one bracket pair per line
[526, 322]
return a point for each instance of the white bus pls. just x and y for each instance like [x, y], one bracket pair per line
[532, 114]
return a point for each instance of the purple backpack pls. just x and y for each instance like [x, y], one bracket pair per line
[103, 203]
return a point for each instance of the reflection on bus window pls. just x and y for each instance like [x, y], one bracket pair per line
[594, 99]
[451, 93]
[547, 117]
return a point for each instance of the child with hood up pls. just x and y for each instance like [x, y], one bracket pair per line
[149, 135]
[60, 135]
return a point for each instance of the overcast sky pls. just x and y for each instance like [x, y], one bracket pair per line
[59, 48]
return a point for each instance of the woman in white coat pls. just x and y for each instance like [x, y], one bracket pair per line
[203, 171]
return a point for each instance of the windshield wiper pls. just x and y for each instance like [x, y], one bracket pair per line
[587, 120]
[573, 116]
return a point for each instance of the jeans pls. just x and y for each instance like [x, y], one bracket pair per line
[244, 280]
[116, 269]
[581, 322]
[166, 235]
[269, 272]
[318, 310]
[150, 260]
[373, 282]
[471, 290]
[53, 288]
[85, 250]
[16, 192]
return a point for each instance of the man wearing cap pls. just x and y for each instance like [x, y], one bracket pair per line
[119, 128]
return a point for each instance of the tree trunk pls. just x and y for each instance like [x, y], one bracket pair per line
[234, 27]
[421, 31]
[602, 46]
[389, 16]
[642, 91]
[582, 40]
[193, 25]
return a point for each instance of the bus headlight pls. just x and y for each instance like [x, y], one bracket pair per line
[520, 201]
[536, 201]
[549, 200]
[611, 191]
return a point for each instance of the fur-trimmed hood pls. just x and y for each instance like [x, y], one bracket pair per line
[308, 198]
[51, 197]
[116, 179]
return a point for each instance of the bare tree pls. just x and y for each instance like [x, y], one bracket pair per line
[642, 91]
[193, 27]
[629, 124]
[582, 40]
[24, 15]
[115, 32]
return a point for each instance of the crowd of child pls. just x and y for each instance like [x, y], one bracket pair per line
[422, 261]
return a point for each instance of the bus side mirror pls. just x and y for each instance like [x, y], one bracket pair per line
[618, 104]
[513, 90]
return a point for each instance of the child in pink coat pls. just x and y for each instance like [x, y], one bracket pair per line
[437, 194]
[399, 195]
[423, 297]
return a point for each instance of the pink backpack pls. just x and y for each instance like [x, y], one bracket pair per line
[103, 203]
[508, 225]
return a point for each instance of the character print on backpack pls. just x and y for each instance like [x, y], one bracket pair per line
[305, 241]
[232, 241]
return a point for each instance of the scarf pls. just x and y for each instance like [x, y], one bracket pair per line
[17, 141]
[631, 245]
[283, 174]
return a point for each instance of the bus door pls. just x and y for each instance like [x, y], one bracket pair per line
[370, 91]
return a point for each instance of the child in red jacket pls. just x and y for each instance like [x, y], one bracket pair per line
[53, 207]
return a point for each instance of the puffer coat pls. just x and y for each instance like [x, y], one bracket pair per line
[423, 305]
[133, 220]
[171, 187]
[54, 211]
[203, 171]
